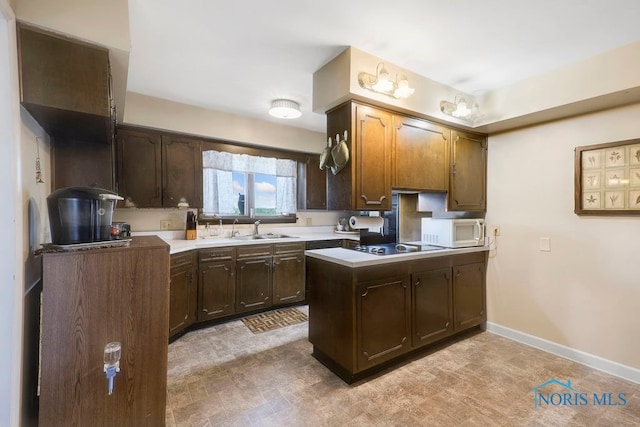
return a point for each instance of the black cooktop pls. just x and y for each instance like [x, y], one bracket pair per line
[394, 248]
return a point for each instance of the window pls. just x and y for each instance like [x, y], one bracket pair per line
[240, 185]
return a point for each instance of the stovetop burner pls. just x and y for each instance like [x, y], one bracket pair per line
[394, 248]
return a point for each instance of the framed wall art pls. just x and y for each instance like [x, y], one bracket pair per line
[607, 178]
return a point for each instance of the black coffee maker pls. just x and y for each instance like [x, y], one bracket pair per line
[81, 214]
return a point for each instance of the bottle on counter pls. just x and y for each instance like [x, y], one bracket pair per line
[191, 232]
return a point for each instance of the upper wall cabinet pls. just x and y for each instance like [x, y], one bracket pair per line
[421, 153]
[393, 151]
[365, 182]
[157, 170]
[65, 85]
[468, 184]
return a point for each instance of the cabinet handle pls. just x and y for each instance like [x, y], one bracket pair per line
[446, 325]
[418, 282]
[458, 274]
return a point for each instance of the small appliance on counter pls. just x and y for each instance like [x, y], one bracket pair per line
[120, 230]
[453, 232]
[81, 215]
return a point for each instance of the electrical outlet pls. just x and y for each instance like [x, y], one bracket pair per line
[495, 230]
[165, 224]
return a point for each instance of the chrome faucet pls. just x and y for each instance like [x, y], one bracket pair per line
[255, 227]
[233, 228]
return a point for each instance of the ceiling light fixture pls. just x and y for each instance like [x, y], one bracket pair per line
[381, 83]
[285, 109]
[461, 108]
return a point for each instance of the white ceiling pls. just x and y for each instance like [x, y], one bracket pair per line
[238, 55]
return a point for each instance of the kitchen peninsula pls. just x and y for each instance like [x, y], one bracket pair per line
[368, 312]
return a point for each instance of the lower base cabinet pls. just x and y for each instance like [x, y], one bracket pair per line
[365, 319]
[469, 295]
[182, 292]
[216, 283]
[432, 306]
[382, 324]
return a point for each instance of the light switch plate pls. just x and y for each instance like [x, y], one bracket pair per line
[545, 244]
[165, 224]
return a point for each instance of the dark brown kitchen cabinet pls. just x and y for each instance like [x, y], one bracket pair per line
[139, 156]
[158, 170]
[421, 154]
[94, 297]
[432, 306]
[181, 171]
[65, 84]
[382, 320]
[468, 182]
[469, 295]
[365, 182]
[366, 318]
[288, 273]
[254, 278]
[217, 285]
[182, 292]
[312, 184]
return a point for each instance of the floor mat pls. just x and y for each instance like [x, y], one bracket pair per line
[274, 319]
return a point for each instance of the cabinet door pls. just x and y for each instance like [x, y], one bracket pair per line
[216, 289]
[181, 171]
[468, 187]
[373, 159]
[288, 278]
[432, 306]
[469, 295]
[140, 168]
[182, 295]
[382, 320]
[253, 283]
[421, 155]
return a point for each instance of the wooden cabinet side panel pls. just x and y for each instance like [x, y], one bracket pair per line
[341, 185]
[139, 168]
[332, 311]
[90, 300]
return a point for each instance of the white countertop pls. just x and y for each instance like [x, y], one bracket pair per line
[178, 244]
[355, 259]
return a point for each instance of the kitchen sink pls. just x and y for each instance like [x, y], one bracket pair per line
[264, 237]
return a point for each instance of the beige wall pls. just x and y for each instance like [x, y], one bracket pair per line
[585, 293]
[163, 114]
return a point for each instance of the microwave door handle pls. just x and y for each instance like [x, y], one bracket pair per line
[480, 232]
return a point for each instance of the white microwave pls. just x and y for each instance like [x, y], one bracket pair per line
[453, 233]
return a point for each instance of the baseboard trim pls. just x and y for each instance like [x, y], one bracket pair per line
[590, 360]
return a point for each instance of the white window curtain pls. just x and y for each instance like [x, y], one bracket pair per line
[218, 168]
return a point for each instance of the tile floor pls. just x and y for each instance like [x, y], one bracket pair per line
[226, 376]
